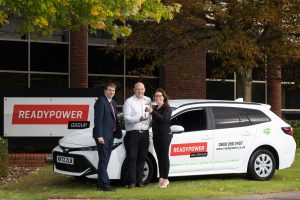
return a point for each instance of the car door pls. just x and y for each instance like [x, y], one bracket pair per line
[191, 150]
[233, 137]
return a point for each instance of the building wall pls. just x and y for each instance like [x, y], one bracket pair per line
[184, 75]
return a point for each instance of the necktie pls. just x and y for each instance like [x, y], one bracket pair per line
[113, 111]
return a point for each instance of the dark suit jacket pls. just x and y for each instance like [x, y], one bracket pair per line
[104, 119]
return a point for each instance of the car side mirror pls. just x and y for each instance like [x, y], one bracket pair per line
[177, 129]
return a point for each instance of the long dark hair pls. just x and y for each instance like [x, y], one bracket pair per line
[162, 91]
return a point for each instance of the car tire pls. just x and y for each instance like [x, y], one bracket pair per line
[261, 165]
[148, 172]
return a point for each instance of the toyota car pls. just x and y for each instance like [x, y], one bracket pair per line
[209, 137]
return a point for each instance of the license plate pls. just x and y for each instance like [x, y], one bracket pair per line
[65, 160]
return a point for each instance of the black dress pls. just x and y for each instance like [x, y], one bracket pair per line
[162, 136]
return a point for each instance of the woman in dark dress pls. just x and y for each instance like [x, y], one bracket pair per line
[162, 136]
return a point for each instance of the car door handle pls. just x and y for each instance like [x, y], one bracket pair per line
[206, 137]
[246, 134]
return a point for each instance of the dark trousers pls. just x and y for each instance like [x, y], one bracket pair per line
[136, 145]
[161, 146]
[104, 151]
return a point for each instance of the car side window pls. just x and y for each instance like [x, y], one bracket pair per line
[193, 120]
[255, 116]
[226, 117]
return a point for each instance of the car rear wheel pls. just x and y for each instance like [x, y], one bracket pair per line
[261, 165]
[148, 172]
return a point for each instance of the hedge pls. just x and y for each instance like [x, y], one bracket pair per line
[3, 157]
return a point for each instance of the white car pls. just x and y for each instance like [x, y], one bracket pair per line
[209, 137]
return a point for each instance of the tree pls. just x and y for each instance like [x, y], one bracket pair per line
[44, 17]
[243, 34]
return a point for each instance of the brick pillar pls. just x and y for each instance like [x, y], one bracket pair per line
[79, 58]
[183, 76]
[274, 89]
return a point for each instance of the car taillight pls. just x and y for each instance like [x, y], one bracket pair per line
[287, 130]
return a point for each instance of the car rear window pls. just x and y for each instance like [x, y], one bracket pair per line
[229, 117]
[254, 116]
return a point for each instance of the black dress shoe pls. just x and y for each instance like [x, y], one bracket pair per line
[141, 185]
[106, 189]
[130, 186]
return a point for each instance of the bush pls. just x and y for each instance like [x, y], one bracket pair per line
[294, 123]
[3, 157]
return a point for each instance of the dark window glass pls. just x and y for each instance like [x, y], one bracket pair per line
[11, 80]
[258, 92]
[100, 82]
[13, 55]
[105, 60]
[214, 70]
[291, 96]
[256, 116]
[48, 81]
[140, 62]
[226, 117]
[193, 120]
[258, 73]
[243, 117]
[49, 57]
[150, 84]
[219, 90]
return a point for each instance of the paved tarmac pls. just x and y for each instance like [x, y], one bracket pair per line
[271, 196]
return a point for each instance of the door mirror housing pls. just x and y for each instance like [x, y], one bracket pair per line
[177, 129]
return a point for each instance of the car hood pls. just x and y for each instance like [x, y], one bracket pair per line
[80, 138]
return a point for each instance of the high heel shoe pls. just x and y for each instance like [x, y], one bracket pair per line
[160, 181]
[165, 183]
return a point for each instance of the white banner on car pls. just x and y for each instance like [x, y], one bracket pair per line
[47, 116]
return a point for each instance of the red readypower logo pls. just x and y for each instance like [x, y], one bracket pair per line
[49, 114]
[188, 148]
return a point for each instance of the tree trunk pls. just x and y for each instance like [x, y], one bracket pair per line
[244, 84]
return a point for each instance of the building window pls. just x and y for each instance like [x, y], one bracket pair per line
[48, 81]
[13, 80]
[48, 57]
[105, 60]
[14, 55]
[258, 92]
[220, 90]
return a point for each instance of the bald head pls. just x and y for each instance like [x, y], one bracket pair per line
[139, 90]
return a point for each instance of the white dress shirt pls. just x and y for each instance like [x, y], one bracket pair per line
[133, 110]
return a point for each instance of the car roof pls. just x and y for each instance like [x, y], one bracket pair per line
[176, 103]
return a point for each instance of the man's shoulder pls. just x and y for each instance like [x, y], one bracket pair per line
[101, 99]
[129, 99]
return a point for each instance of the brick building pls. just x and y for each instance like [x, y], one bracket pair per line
[77, 59]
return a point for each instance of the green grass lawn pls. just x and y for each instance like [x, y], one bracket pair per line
[44, 184]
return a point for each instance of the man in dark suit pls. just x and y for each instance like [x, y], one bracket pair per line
[105, 125]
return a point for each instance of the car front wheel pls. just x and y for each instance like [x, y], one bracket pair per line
[261, 165]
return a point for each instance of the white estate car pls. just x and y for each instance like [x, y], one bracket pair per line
[209, 137]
